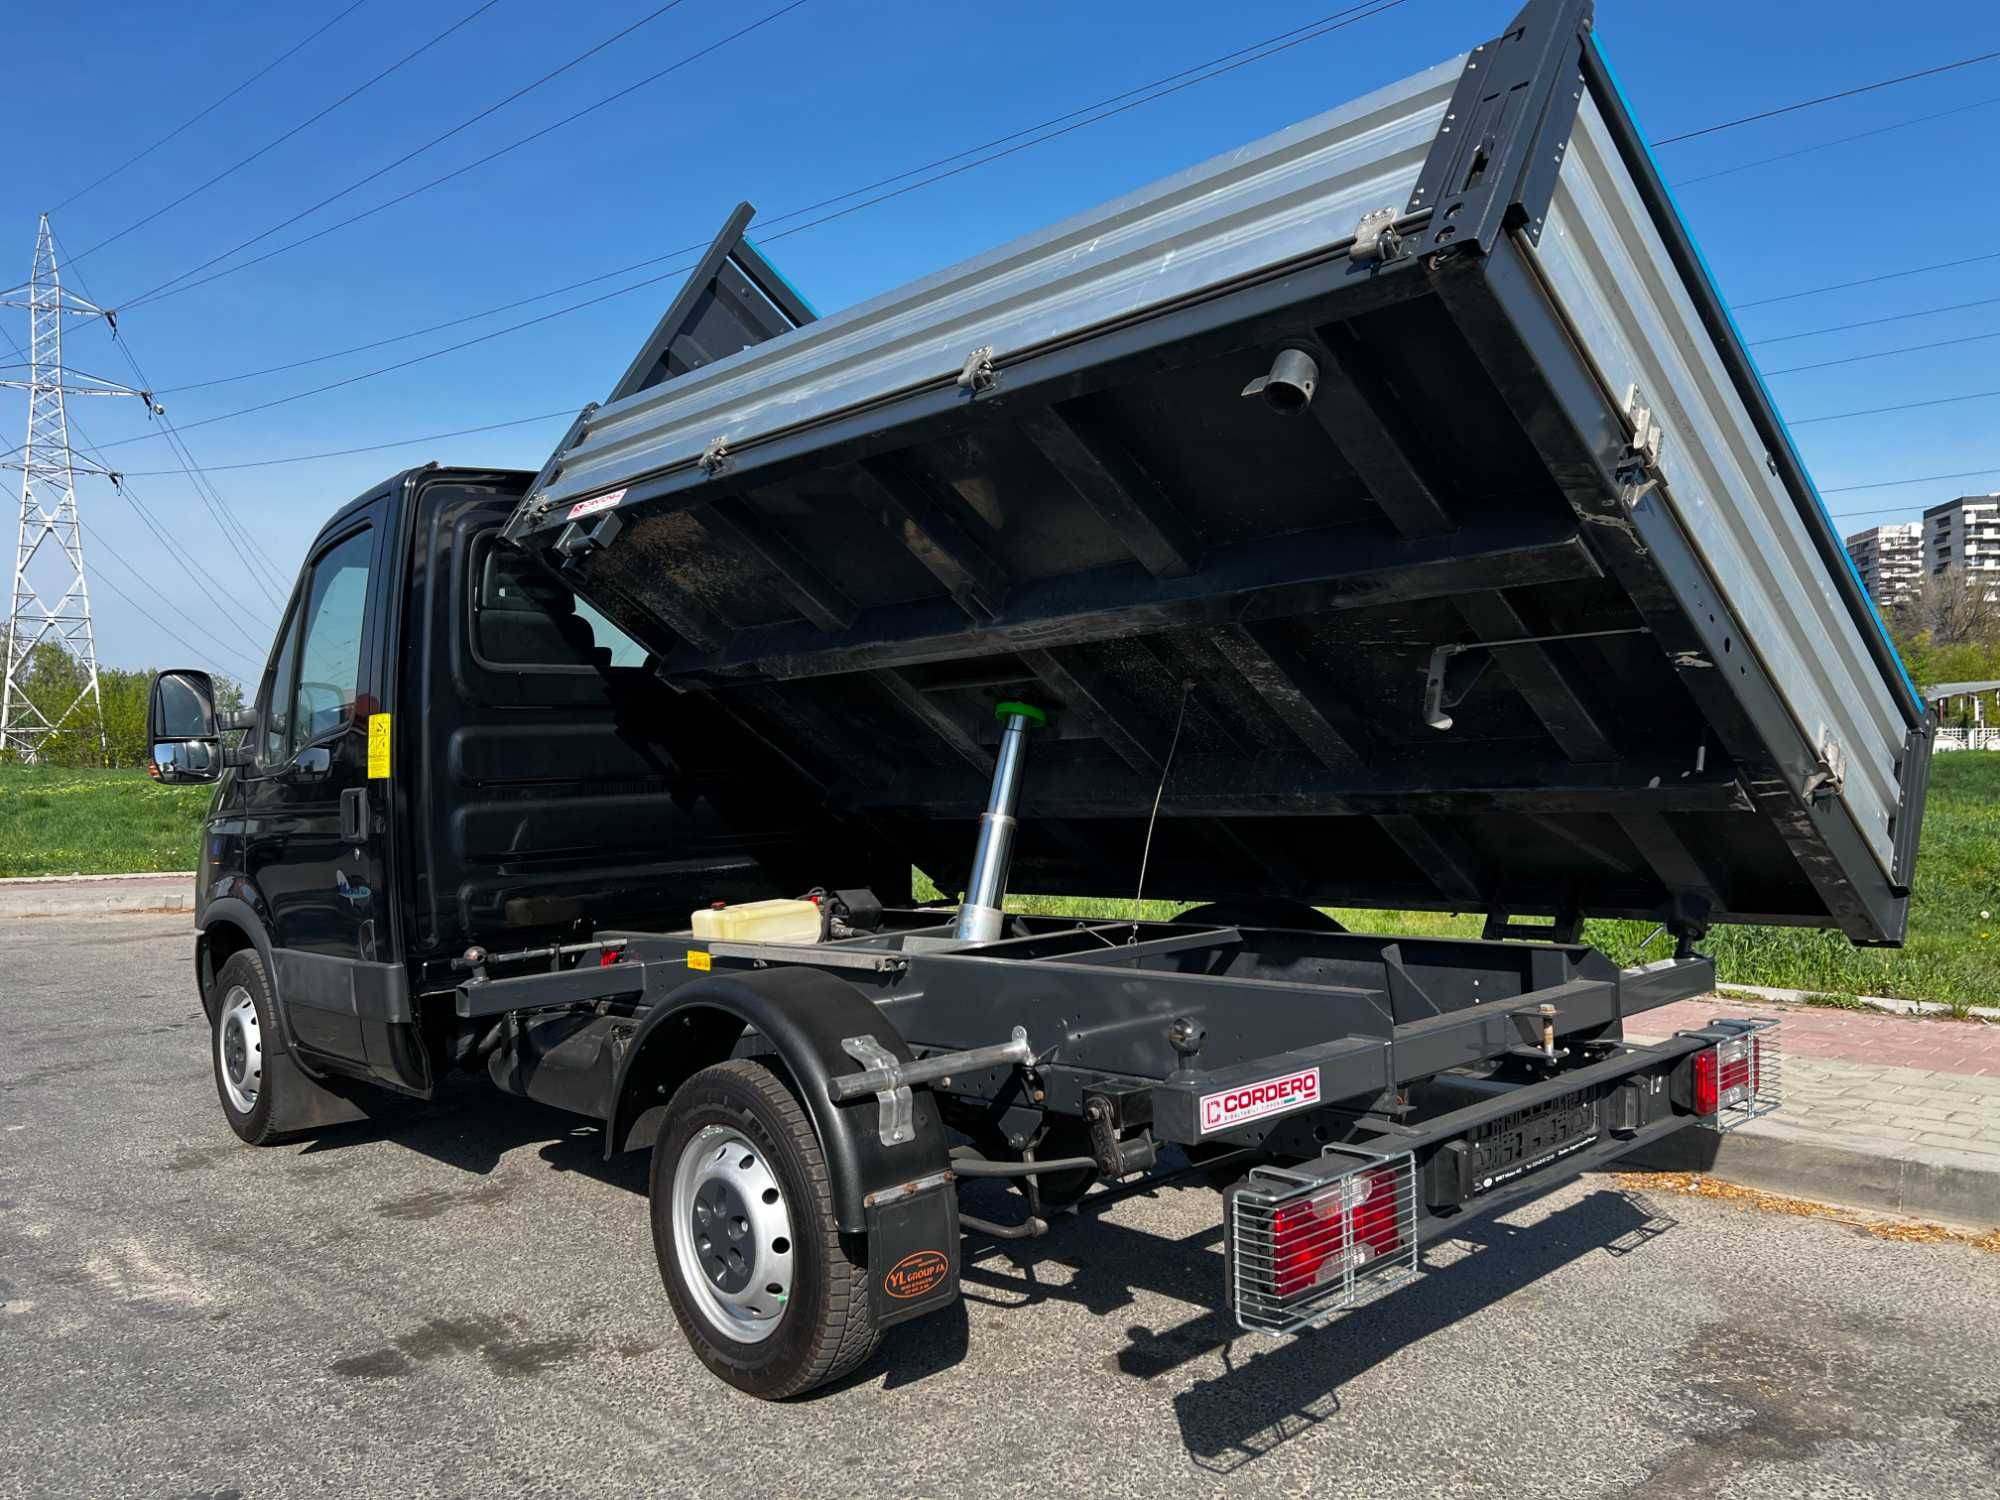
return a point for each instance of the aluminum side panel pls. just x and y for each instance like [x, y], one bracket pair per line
[1252, 209]
[1612, 277]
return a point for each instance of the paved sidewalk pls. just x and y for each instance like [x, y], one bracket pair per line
[1879, 1111]
[1969, 1048]
[94, 895]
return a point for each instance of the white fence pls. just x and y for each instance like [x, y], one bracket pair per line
[1967, 739]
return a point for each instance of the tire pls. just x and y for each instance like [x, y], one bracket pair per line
[238, 1039]
[1263, 911]
[735, 1135]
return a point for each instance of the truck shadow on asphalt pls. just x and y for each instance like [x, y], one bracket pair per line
[463, 1128]
[1270, 1391]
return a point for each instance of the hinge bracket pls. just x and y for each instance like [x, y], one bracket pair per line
[977, 374]
[1376, 238]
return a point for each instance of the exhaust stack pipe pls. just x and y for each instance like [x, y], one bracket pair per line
[979, 917]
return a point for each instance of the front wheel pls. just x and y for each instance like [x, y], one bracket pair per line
[743, 1227]
[242, 1035]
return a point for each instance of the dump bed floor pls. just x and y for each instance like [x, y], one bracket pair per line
[1038, 476]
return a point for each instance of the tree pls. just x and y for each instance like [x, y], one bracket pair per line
[1951, 609]
[55, 678]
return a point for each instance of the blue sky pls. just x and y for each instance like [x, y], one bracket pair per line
[831, 95]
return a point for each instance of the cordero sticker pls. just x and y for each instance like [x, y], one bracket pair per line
[916, 1273]
[595, 503]
[1253, 1101]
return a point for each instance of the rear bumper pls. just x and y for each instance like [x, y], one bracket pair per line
[1305, 1242]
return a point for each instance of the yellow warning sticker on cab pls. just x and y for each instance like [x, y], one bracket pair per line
[378, 746]
[699, 960]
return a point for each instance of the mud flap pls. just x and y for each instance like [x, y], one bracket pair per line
[302, 1103]
[913, 1255]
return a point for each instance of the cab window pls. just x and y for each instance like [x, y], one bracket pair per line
[524, 617]
[316, 677]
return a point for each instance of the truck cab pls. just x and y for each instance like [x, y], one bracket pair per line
[449, 751]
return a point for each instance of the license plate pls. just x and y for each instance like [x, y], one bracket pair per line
[1531, 1139]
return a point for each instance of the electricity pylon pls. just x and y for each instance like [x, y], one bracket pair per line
[48, 551]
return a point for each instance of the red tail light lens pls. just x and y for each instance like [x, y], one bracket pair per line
[1315, 1239]
[1706, 1068]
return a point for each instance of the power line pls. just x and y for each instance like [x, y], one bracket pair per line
[1268, 48]
[1157, 88]
[1922, 312]
[416, 359]
[167, 289]
[1843, 286]
[1855, 359]
[201, 115]
[566, 414]
[1229, 63]
[186, 564]
[209, 653]
[1787, 109]
[217, 506]
[1844, 140]
[432, 143]
[1319, 28]
[1889, 484]
[304, 124]
[1876, 411]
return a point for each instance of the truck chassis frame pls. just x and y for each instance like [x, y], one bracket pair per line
[1498, 1069]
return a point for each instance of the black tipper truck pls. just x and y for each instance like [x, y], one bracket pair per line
[1386, 514]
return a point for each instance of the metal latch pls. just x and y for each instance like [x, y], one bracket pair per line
[715, 457]
[1827, 777]
[977, 374]
[891, 1080]
[1376, 238]
[1647, 433]
[898, 1102]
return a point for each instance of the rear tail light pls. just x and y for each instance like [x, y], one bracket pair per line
[1306, 1241]
[1741, 1076]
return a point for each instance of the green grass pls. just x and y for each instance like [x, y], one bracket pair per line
[55, 821]
[60, 822]
[1952, 956]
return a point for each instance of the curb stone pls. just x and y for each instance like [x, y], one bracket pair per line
[96, 895]
[1924, 1182]
[1888, 1003]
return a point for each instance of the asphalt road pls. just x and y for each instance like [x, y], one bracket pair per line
[463, 1301]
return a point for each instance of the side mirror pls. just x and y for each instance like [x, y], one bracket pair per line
[180, 721]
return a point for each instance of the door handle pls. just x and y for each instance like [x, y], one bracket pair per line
[354, 815]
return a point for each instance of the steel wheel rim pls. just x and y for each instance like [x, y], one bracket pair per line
[239, 1049]
[732, 1232]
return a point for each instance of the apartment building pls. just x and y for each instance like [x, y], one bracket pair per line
[1890, 560]
[1965, 534]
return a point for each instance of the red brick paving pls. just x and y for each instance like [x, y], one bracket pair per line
[1965, 1047]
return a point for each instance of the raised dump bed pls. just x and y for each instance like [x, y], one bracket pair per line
[1393, 496]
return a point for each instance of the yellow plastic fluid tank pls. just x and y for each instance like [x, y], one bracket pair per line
[759, 922]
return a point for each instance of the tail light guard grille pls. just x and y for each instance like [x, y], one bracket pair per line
[1740, 1077]
[1306, 1241]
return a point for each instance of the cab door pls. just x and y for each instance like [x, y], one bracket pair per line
[315, 842]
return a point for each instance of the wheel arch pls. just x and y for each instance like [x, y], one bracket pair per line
[228, 926]
[803, 1015]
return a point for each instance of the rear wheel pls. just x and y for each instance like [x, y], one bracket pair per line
[743, 1227]
[242, 1035]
